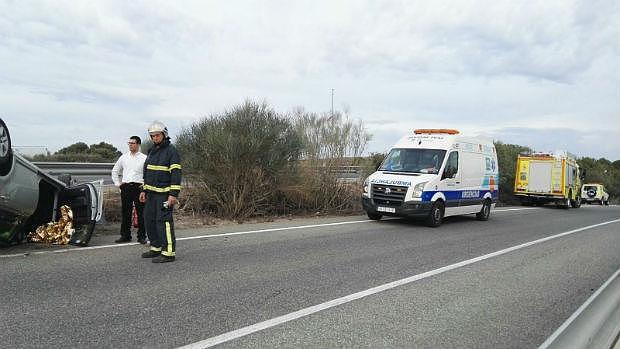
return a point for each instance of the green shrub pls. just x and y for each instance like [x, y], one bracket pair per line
[237, 160]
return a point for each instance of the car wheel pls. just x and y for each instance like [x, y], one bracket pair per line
[485, 211]
[374, 216]
[6, 152]
[435, 217]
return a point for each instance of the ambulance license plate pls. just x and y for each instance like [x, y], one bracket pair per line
[386, 209]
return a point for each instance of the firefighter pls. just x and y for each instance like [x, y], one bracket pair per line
[162, 183]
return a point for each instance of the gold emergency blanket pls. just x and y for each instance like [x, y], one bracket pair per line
[58, 233]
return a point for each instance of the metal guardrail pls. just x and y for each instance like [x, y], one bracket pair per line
[80, 171]
[76, 168]
[596, 324]
[86, 171]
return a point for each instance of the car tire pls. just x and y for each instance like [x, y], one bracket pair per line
[435, 217]
[6, 151]
[485, 211]
[374, 216]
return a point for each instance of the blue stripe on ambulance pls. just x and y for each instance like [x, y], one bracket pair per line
[456, 195]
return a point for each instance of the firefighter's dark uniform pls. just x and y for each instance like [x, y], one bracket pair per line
[162, 177]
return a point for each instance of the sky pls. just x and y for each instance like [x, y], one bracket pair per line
[542, 74]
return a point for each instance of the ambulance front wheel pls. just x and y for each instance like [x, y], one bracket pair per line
[435, 217]
[374, 216]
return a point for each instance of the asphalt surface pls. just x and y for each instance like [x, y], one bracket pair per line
[110, 297]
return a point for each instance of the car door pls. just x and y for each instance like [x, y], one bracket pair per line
[450, 184]
[86, 202]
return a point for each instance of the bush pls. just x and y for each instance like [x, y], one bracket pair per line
[238, 159]
[252, 161]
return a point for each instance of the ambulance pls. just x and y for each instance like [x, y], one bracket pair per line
[432, 174]
[552, 177]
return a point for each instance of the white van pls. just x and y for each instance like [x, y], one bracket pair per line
[434, 173]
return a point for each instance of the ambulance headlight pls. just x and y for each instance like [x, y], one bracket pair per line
[418, 189]
[366, 187]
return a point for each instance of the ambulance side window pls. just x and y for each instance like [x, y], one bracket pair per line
[452, 166]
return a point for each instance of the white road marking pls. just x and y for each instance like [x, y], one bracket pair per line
[515, 209]
[25, 254]
[244, 331]
[572, 318]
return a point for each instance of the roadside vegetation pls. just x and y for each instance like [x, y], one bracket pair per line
[252, 161]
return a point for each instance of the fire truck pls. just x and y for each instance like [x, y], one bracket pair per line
[548, 178]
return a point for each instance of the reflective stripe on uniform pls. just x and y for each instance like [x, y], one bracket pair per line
[161, 189]
[156, 189]
[157, 168]
[155, 249]
[169, 252]
[163, 168]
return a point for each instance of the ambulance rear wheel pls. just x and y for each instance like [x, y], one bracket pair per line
[485, 211]
[435, 217]
[374, 216]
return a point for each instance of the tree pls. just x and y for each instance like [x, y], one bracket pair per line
[80, 152]
[330, 141]
[76, 148]
[507, 161]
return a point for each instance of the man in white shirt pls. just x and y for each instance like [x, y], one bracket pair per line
[127, 174]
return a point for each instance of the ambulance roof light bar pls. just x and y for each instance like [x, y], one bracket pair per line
[435, 131]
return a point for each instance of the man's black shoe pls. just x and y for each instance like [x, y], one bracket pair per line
[163, 259]
[150, 254]
[122, 239]
[142, 241]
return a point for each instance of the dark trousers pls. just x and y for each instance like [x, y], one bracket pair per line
[159, 224]
[130, 193]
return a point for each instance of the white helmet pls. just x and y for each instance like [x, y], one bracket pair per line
[158, 126]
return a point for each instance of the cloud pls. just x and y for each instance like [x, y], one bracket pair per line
[479, 66]
[582, 143]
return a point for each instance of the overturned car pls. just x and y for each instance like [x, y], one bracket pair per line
[30, 197]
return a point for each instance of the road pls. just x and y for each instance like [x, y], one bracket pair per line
[235, 277]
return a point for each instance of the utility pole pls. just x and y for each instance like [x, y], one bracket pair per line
[332, 102]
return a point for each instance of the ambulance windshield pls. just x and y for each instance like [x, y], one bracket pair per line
[413, 160]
